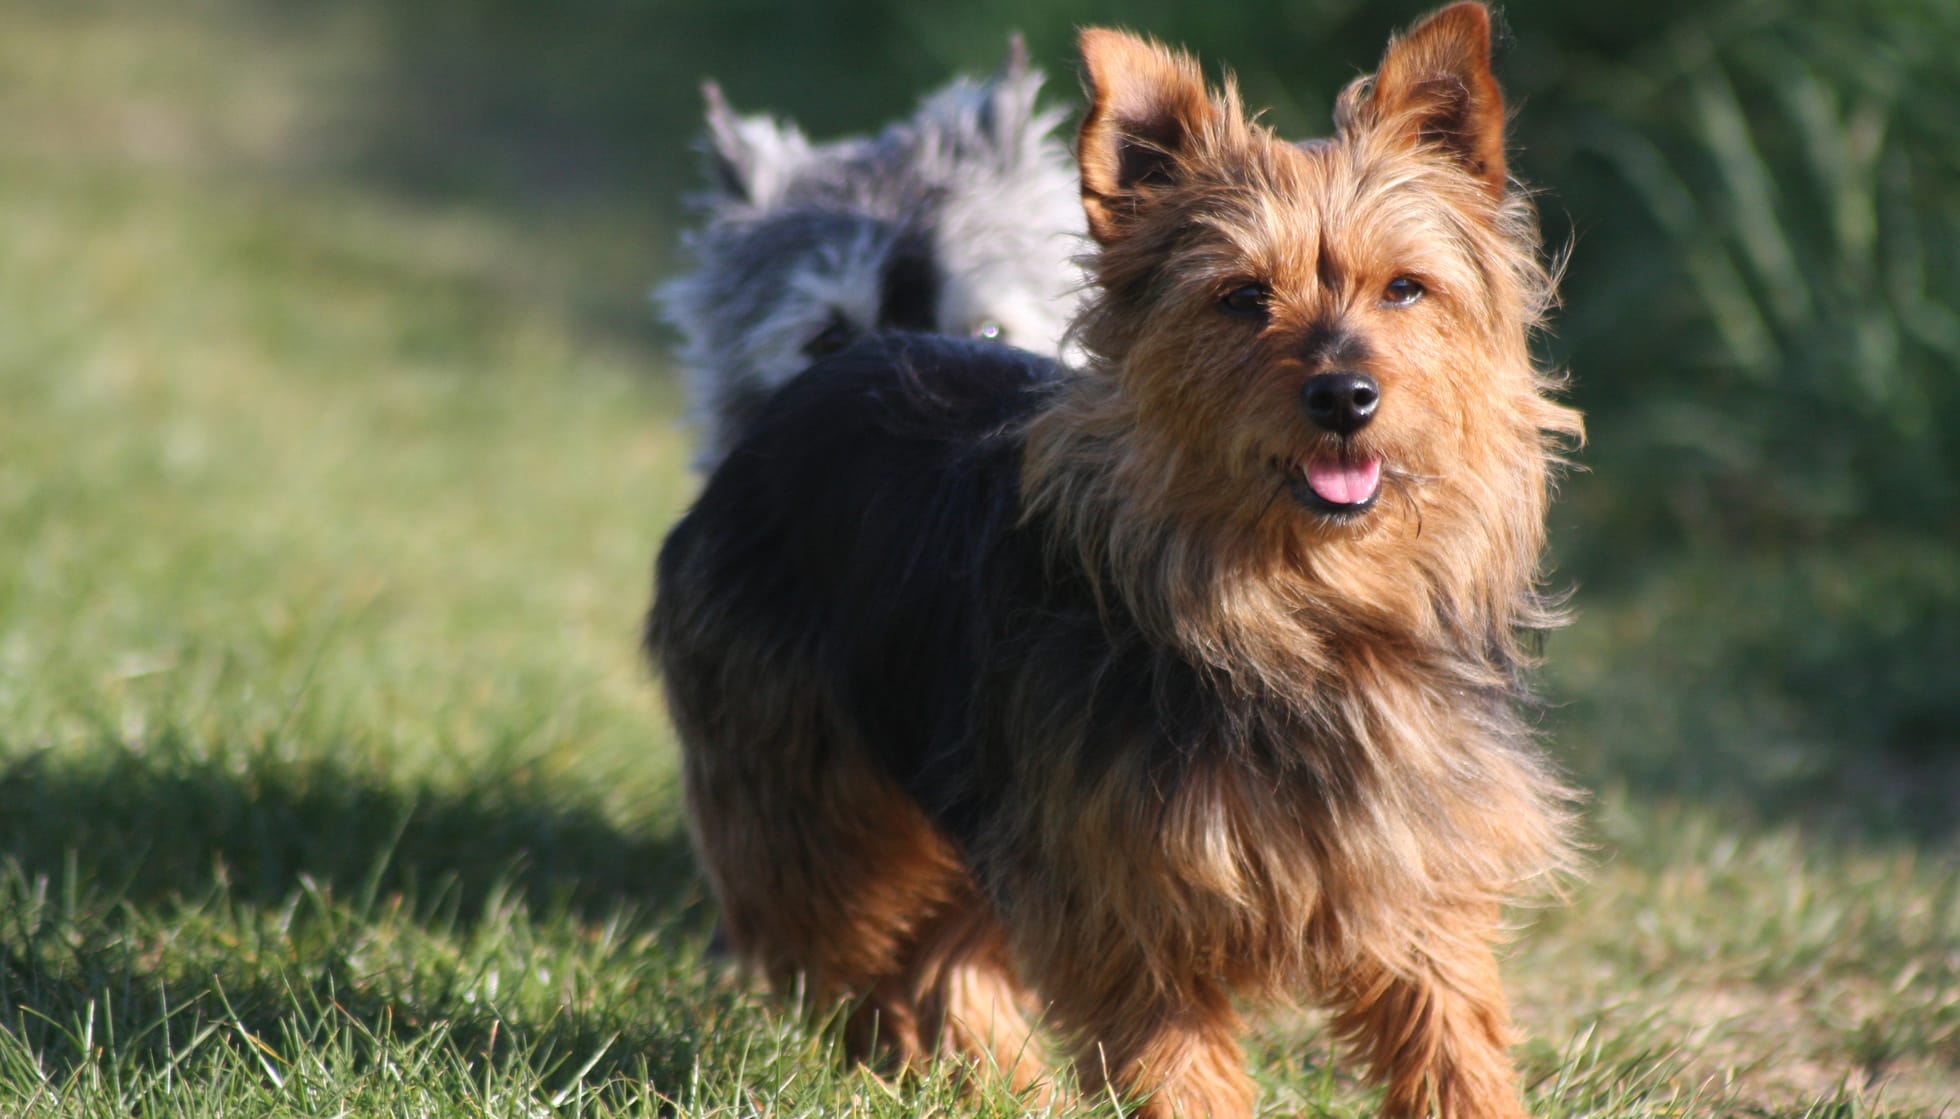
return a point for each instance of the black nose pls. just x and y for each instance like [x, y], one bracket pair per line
[1343, 403]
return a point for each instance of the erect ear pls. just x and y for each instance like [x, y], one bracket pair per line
[1434, 89]
[749, 158]
[1146, 105]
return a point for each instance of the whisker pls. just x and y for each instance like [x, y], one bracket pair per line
[1268, 507]
[1403, 483]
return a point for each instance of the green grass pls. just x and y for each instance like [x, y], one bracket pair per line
[331, 782]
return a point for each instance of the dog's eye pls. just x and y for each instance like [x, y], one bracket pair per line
[836, 334]
[1249, 300]
[990, 331]
[1402, 291]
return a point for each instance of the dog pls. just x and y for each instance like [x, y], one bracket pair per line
[1122, 695]
[961, 219]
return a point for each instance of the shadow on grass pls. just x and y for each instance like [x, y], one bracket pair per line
[160, 910]
[83, 1010]
[163, 825]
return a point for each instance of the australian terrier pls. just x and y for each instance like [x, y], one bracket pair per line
[1123, 695]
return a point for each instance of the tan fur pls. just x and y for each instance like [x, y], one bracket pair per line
[1161, 464]
[873, 903]
[1359, 800]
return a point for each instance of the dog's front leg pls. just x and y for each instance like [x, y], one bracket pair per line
[1434, 1025]
[1172, 1057]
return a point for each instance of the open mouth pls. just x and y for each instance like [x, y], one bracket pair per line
[1337, 484]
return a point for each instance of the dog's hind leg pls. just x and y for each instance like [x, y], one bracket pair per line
[825, 871]
[844, 884]
[830, 876]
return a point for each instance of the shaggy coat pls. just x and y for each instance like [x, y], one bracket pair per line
[960, 219]
[1124, 694]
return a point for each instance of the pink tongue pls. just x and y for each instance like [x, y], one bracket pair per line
[1344, 483]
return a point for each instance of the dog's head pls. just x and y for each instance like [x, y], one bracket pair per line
[1335, 322]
